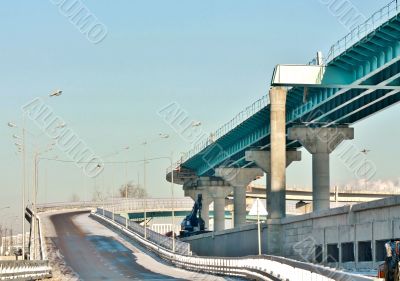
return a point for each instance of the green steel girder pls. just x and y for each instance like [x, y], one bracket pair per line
[363, 52]
[355, 56]
[393, 34]
[386, 37]
[373, 60]
[375, 108]
[343, 64]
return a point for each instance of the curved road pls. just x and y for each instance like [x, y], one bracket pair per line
[99, 255]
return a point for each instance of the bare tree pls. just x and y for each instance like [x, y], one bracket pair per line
[74, 198]
[133, 190]
[97, 195]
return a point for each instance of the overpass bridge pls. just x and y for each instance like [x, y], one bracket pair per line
[74, 244]
[345, 194]
[310, 106]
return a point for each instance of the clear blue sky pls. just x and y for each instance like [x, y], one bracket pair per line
[212, 57]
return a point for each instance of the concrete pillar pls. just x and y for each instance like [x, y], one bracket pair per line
[262, 159]
[239, 179]
[206, 201]
[218, 194]
[278, 152]
[205, 212]
[219, 213]
[320, 142]
[274, 237]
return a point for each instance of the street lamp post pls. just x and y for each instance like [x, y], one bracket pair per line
[23, 164]
[23, 177]
[173, 204]
[166, 136]
[35, 194]
[126, 193]
[145, 189]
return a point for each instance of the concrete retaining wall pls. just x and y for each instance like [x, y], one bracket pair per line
[349, 237]
[227, 243]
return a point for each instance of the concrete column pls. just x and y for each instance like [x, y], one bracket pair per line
[239, 179]
[320, 142]
[239, 206]
[219, 213]
[262, 159]
[205, 212]
[321, 182]
[278, 152]
[218, 194]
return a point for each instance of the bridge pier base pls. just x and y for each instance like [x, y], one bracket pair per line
[239, 179]
[320, 142]
[262, 159]
[213, 189]
[218, 194]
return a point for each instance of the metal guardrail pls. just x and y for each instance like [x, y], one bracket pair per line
[161, 204]
[252, 267]
[28, 269]
[24, 270]
[69, 205]
[362, 30]
[164, 227]
[124, 204]
[155, 237]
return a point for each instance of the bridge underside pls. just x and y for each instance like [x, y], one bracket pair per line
[313, 111]
[373, 63]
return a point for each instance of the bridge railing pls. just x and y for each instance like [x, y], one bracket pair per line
[123, 204]
[160, 204]
[253, 267]
[24, 270]
[224, 129]
[362, 30]
[29, 269]
[157, 238]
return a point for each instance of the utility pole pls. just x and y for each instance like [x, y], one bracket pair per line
[258, 228]
[173, 203]
[126, 192]
[34, 196]
[23, 185]
[145, 189]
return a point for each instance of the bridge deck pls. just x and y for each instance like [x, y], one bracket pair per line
[371, 62]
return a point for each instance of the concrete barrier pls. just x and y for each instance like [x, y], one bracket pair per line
[348, 237]
[251, 267]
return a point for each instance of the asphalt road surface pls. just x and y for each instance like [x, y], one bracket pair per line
[96, 256]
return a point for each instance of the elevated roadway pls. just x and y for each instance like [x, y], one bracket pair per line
[93, 252]
[341, 194]
[310, 106]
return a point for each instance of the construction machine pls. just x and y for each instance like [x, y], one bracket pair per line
[193, 224]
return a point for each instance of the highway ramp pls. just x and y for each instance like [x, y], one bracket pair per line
[91, 251]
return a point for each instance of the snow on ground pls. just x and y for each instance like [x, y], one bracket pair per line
[149, 261]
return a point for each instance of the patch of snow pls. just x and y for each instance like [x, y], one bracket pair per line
[148, 260]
